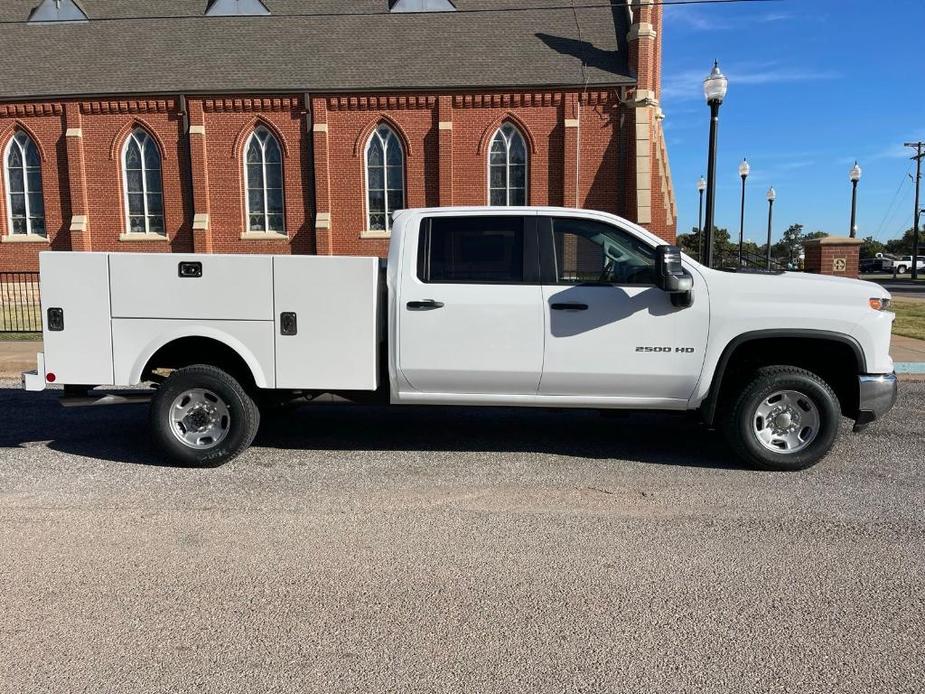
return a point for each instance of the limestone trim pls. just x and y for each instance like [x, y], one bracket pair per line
[263, 236]
[200, 222]
[643, 30]
[79, 223]
[24, 238]
[323, 220]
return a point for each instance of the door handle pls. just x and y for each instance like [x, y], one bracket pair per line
[569, 307]
[425, 305]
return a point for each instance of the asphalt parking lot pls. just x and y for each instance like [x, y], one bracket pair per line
[451, 550]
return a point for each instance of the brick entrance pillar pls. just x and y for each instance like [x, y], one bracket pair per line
[833, 255]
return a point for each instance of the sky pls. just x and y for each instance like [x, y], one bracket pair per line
[813, 86]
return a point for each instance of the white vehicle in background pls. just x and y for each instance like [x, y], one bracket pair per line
[903, 265]
[523, 307]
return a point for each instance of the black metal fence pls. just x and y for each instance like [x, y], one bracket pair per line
[20, 307]
[750, 261]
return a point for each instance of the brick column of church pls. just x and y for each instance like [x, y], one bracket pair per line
[324, 242]
[77, 179]
[643, 108]
[572, 123]
[198, 151]
[445, 139]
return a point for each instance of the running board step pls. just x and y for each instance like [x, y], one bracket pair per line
[95, 398]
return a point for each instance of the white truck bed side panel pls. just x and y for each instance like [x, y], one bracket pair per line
[136, 340]
[146, 285]
[335, 300]
[78, 283]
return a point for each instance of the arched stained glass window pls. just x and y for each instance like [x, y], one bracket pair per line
[23, 176]
[507, 168]
[263, 171]
[141, 174]
[385, 178]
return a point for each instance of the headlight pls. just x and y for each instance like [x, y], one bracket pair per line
[880, 304]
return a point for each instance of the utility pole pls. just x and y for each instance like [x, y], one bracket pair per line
[919, 148]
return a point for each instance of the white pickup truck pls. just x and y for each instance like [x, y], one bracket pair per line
[525, 307]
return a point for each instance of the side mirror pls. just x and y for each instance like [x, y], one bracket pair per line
[669, 273]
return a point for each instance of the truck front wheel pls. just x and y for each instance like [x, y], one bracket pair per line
[202, 416]
[784, 419]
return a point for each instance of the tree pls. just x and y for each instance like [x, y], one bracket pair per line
[690, 243]
[870, 247]
[902, 246]
[790, 246]
[816, 235]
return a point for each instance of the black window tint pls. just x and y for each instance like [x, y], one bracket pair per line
[484, 250]
[594, 252]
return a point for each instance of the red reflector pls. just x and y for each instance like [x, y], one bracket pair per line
[51, 378]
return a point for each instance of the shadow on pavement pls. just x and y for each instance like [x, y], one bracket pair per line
[119, 433]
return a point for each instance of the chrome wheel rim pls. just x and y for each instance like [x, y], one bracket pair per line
[199, 419]
[787, 421]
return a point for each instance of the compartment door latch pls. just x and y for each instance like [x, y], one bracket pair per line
[288, 324]
[190, 270]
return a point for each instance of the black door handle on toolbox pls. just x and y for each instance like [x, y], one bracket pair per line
[569, 307]
[425, 305]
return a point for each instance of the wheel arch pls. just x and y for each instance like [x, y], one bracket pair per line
[844, 350]
[201, 346]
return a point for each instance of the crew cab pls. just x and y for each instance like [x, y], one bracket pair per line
[523, 307]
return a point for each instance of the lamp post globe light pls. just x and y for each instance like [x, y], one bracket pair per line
[701, 186]
[744, 171]
[772, 196]
[714, 90]
[855, 177]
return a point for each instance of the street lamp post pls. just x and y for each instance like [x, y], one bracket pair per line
[772, 196]
[855, 176]
[701, 186]
[714, 89]
[744, 171]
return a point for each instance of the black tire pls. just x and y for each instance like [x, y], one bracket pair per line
[239, 426]
[740, 420]
[902, 269]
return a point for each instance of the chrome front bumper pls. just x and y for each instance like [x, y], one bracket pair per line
[877, 396]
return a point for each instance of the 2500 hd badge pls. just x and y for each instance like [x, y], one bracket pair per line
[663, 350]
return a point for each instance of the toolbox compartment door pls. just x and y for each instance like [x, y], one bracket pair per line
[191, 287]
[75, 286]
[326, 322]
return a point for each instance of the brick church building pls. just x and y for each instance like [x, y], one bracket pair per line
[297, 126]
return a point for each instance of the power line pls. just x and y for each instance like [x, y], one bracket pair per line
[486, 10]
[886, 214]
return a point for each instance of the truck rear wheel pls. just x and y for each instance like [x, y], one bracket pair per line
[784, 419]
[202, 416]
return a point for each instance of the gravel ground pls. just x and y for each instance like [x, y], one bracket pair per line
[451, 550]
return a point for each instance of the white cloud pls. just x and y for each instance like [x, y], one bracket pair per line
[688, 85]
[699, 19]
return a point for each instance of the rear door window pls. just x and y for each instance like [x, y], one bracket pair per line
[478, 250]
